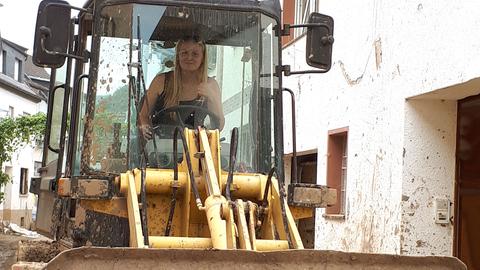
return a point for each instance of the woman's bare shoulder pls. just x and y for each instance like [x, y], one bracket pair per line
[212, 80]
[157, 84]
[159, 78]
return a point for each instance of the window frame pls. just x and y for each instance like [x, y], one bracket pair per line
[36, 165]
[3, 62]
[337, 168]
[303, 8]
[17, 70]
[23, 187]
[11, 111]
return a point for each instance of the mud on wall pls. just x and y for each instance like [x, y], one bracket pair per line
[428, 173]
[374, 116]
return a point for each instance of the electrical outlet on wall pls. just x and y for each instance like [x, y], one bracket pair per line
[442, 211]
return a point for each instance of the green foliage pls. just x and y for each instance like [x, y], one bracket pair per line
[15, 133]
[111, 108]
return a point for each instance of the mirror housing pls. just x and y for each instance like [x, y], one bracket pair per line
[319, 41]
[52, 33]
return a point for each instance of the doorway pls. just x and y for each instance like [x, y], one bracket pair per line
[467, 186]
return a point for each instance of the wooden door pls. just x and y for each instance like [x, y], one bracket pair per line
[467, 214]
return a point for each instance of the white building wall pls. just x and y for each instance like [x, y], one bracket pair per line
[19, 103]
[23, 158]
[429, 173]
[384, 53]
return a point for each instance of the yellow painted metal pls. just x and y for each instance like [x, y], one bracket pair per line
[135, 225]
[246, 185]
[243, 235]
[268, 227]
[215, 223]
[271, 245]
[276, 210]
[251, 224]
[116, 206]
[217, 226]
[156, 181]
[227, 211]
[210, 172]
[158, 209]
[180, 242]
[206, 243]
[188, 204]
[301, 212]
[214, 142]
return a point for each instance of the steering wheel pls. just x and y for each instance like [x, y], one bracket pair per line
[198, 112]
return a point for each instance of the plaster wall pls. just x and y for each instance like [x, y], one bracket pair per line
[429, 173]
[384, 53]
[16, 205]
[21, 105]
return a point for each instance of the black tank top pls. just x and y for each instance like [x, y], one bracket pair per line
[189, 117]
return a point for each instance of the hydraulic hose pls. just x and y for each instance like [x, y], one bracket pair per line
[267, 187]
[173, 200]
[282, 204]
[231, 164]
[143, 199]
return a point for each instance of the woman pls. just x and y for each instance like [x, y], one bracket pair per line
[189, 84]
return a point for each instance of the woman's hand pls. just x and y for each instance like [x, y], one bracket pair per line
[211, 91]
[208, 90]
[146, 131]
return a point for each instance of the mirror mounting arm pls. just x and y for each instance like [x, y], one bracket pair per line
[286, 71]
[42, 42]
[286, 28]
[71, 7]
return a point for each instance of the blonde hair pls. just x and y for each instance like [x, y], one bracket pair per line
[172, 93]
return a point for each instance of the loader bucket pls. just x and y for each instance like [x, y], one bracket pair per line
[188, 259]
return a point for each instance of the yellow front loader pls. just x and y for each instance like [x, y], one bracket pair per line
[196, 194]
[188, 206]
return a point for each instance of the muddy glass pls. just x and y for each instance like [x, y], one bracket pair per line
[137, 43]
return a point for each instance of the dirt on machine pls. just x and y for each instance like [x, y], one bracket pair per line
[204, 191]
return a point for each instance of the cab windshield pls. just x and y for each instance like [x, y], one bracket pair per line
[137, 43]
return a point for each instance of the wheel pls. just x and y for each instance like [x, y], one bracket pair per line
[186, 116]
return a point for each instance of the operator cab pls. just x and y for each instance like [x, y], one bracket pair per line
[122, 46]
[137, 43]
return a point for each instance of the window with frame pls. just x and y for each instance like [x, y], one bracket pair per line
[297, 12]
[23, 181]
[337, 168]
[3, 62]
[36, 165]
[303, 8]
[17, 72]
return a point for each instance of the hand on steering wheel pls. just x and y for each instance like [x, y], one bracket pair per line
[199, 114]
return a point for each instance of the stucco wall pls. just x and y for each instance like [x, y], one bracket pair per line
[16, 205]
[429, 173]
[384, 53]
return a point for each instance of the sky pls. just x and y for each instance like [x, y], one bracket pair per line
[18, 19]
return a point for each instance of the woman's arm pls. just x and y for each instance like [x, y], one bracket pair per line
[211, 90]
[148, 105]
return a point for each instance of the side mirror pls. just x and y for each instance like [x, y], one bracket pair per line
[51, 33]
[319, 41]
